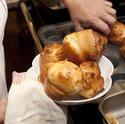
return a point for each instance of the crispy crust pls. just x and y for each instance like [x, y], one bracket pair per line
[92, 86]
[54, 92]
[100, 41]
[84, 45]
[43, 72]
[93, 82]
[90, 66]
[117, 35]
[51, 54]
[70, 54]
[67, 76]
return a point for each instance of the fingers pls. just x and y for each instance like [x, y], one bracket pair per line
[101, 16]
[101, 26]
[110, 20]
[110, 11]
[77, 24]
[107, 3]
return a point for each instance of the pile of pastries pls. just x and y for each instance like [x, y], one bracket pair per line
[71, 69]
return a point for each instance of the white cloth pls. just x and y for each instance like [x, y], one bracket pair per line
[3, 18]
[29, 104]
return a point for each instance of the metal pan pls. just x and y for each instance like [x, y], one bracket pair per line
[114, 104]
[118, 83]
[54, 33]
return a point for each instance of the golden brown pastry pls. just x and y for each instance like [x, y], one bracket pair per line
[122, 51]
[117, 35]
[93, 82]
[63, 79]
[51, 54]
[90, 67]
[83, 45]
[111, 118]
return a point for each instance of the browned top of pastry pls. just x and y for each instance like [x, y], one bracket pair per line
[93, 82]
[52, 53]
[90, 67]
[117, 35]
[83, 45]
[66, 76]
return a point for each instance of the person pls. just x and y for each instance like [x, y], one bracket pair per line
[3, 18]
[3, 87]
[99, 14]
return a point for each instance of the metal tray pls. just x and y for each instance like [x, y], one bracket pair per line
[55, 33]
[114, 104]
[114, 101]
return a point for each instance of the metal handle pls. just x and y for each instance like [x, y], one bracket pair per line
[31, 26]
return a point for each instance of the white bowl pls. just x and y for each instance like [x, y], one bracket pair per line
[106, 68]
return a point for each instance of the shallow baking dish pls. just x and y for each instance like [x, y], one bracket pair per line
[114, 104]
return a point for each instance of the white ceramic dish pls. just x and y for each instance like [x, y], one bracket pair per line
[106, 68]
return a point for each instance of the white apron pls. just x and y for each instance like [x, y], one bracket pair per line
[3, 18]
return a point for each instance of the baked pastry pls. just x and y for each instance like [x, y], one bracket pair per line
[93, 81]
[117, 35]
[111, 118]
[51, 54]
[64, 79]
[84, 45]
[59, 66]
[90, 67]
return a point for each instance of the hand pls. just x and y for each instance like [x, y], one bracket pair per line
[99, 14]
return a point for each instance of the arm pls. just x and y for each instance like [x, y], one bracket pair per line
[3, 88]
[99, 14]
